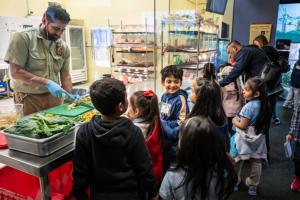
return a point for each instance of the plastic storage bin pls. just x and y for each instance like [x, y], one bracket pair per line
[150, 38]
[140, 38]
[9, 114]
[132, 59]
[82, 92]
[17, 185]
[3, 86]
[132, 38]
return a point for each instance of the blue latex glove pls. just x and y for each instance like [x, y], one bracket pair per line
[55, 89]
[74, 96]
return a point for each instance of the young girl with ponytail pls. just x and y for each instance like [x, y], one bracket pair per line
[209, 72]
[144, 112]
[249, 142]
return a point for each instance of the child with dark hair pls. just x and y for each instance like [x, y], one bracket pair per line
[249, 142]
[209, 72]
[221, 67]
[231, 96]
[206, 98]
[202, 169]
[174, 109]
[111, 155]
[144, 112]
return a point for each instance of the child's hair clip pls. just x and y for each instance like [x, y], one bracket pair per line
[148, 93]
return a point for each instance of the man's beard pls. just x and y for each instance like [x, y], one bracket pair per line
[49, 36]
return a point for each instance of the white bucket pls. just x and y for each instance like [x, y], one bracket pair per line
[98, 76]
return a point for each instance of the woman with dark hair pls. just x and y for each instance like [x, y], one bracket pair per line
[202, 169]
[262, 42]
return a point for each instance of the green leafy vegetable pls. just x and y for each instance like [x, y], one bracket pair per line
[46, 128]
[40, 126]
[78, 118]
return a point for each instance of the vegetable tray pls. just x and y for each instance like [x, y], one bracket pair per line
[39, 147]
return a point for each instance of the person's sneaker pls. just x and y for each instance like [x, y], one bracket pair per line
[236, 187]
[252, 189]
[276, 121]
[287, 106]
[296, 184]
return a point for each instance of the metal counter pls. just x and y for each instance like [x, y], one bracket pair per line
[35, 165]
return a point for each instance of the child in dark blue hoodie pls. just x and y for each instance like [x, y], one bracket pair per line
[174, 109]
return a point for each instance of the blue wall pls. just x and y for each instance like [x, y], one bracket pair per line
[247, 12]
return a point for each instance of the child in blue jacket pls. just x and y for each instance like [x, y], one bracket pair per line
[174, 109]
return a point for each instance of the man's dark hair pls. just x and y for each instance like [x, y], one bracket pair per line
[57, 12]
[234, 42]
[171, 70]
[106, 94]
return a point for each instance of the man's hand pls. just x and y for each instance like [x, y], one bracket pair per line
[74, 96]
[155, 198]
[55, 89]
[288, 138]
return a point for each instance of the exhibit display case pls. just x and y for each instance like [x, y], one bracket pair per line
[132, 53]
[189, 44]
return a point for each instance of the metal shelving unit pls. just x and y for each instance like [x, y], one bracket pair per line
[135, 45]
[202, 47]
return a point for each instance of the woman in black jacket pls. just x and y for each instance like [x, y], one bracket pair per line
[272, 53]
[262, 42]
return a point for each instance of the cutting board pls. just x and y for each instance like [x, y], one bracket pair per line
[63, 110]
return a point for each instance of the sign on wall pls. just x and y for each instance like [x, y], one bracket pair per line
[260, 29]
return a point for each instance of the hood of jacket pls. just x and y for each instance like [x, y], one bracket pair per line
[112, 133]
[250, 137]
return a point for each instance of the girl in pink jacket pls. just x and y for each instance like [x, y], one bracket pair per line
[232, 96]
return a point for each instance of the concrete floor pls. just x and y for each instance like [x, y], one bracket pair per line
[276, 179]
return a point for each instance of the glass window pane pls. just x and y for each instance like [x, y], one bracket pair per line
[77, 48]
[63, 37]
